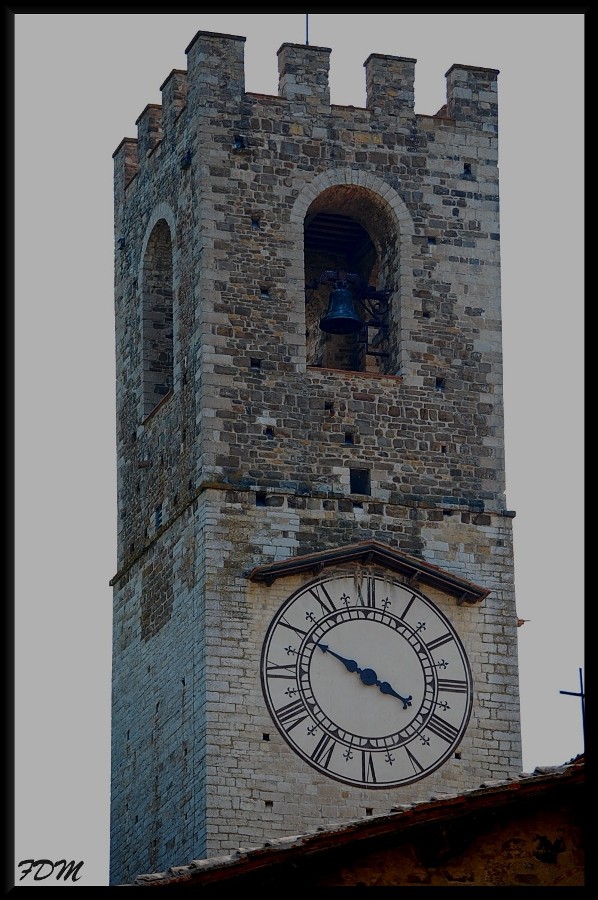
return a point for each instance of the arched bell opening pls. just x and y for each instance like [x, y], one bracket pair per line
[350, 265]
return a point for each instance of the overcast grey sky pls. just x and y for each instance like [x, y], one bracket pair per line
[81, 82]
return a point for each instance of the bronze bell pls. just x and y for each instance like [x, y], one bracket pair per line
[341, 317]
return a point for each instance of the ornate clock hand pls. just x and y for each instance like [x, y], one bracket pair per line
[386, 689]
[349, 664]
[368, 676]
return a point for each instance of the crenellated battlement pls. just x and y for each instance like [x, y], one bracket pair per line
[471, 94]
[149, 129]
[174, 99]
[303, 78]
[215, 81]
[215, 69]
[390, 85]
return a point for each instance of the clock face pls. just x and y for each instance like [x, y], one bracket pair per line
[366, 680]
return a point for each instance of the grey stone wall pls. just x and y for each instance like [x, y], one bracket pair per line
[248, 457]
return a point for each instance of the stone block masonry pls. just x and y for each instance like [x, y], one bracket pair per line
[241, 427]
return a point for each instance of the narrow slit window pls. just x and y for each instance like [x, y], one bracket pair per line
[157, 318]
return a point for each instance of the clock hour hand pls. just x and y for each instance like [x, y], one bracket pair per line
[368, 676]
[386, 689]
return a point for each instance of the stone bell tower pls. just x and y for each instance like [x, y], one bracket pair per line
[309, 388]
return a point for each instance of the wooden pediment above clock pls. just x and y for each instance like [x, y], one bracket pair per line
[415, 570]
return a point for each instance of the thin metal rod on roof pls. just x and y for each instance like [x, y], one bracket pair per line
[307, 29]
[581, 695]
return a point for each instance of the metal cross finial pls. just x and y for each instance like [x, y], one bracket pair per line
[581, 695]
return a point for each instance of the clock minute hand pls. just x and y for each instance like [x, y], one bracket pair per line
[349, 664]
[368, 676]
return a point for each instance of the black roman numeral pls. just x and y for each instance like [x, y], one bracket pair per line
[294, 628]
[369, 600]
[455, 687]
[291, 715]
[417, 766]
[368, 774]
[281, 671]
[442, 729]
[315, 592]
[323, 751]
[439, 641]
[408, 607]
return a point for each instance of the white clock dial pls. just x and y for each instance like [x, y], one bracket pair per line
[366, 680]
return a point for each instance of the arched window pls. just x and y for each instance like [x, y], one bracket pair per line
[157, 318]
[350, 246]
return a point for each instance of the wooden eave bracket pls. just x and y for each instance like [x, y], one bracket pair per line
[368, 553]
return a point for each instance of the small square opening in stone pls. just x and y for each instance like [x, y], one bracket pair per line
[360, 481]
